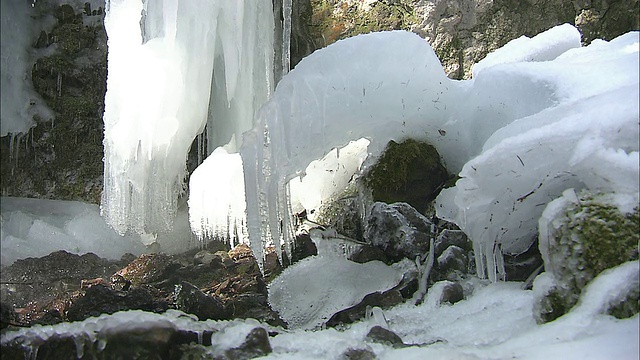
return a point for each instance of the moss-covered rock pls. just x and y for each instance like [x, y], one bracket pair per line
[579, 239]
[410, 171]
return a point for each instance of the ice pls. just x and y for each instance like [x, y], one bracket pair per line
[35, 228]
[532, 160]
[175, 67]
[544, 47]
[309, 292]
[327, 177]
[228, 208]
[19, 101]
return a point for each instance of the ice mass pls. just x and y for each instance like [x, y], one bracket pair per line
[542, 119]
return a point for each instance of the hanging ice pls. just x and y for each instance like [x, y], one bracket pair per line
[173, 68]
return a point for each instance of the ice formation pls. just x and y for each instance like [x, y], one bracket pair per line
[35, 228]
[528, 126]
[308, 304]
[174, 67]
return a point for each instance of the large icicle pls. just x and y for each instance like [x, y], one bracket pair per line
[165, 59]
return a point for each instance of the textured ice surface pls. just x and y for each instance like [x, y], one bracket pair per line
[501, 130]
[309, 292]
[175, 67]
[589, 139]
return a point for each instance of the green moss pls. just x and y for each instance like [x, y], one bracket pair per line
[330, 23]
[595, 236]
[410, 171]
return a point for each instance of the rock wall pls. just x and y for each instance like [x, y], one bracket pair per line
[463, 32]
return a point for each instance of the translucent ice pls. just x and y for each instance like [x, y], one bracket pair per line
[175, 67]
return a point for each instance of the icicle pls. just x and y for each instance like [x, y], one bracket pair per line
[286, 36]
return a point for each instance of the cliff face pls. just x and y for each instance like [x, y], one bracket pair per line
[464, 31]
[63, 159]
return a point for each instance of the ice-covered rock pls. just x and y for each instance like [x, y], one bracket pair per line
[581, 236]
[400, 230]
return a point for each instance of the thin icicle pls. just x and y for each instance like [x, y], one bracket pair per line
[286, 36]
[425, 270]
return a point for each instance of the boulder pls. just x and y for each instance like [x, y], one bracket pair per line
[580, 236]
[410, 171]
[399, 230]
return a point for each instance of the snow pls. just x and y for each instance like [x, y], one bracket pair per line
[161, 94]
[527, 127]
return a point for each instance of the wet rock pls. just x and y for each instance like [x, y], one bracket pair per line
[399, 230]
[303, 247]
[520, 267]
[358, 354]
[453, 259]
[100, 299]
[451, 293]
[383, 300]
[380, 335]
[256, 344]
[148, 268]
[191, 300]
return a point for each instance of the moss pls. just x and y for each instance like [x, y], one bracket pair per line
[330, 23]
[594, 236]
[341, 212]
[63, 159]
[410, 171]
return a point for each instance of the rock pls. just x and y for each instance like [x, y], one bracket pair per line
[410, 171]
[452, 259]
[191, 300]
[256, 344]
[357, 312]
[451, 293]
[7, 315]
[302, 247]
[520, 267]
[380, 335]
[100, 299]
[463, 32]
[580, 236]
[368, 253]
[358, 354]
[148, 268]
[399, 230]
[41, 280]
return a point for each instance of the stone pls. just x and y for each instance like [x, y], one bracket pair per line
[399, 230]
[256, 344]
[451, 293]
[148, 268]
[380, 335]
[581, 236]
[410, 171]
[191, 300]
[358, 354]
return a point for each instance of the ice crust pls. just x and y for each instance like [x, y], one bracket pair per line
[306, 304]
[174, 67]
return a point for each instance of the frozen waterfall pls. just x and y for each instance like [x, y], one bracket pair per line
[174, 67]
